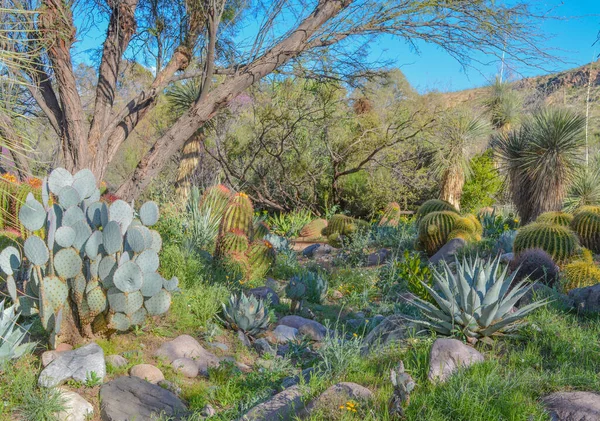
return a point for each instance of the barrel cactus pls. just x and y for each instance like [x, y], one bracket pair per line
[581, 273]
[434, 229]
[234, 241]
[586, 225]
[588, 208]
[95, 269]
[558, 218]
[238, 214]
[312, 230]
[247, 314]
[261, 256]
[556, 240]
[434, 205]
[260, 229]
[391, 215]
[214, 199]
[340, 224]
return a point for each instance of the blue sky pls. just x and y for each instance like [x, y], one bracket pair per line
[570, 36]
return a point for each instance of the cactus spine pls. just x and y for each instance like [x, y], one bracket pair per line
[586, 225]
[558, 218]
[581, 273]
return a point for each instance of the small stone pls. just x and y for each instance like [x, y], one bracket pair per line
[131, 398]
[185, 366]
[48, 357]
[117, 361]
[378, 258]
[263, 347]
[76, 408]
[64, 347]
[147, 372]
[448, 355]
[284, 406]
[283, 334]
[78, 364]
[268, 295]
[337, 295]
[219, 345]
[185, 346]
[448, 251]
[315, 331]
[208, 411]
[243, 339]
[328, 403]
[573, 406]
[310, 250]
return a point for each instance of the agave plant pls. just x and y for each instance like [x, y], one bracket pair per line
[12, 335]
[247, 314]
[476, 301]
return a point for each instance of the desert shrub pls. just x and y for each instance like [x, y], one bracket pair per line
[189, 267]
[289, 224]
[339, 353]
[484, 184]
[400, 237]
[197, 306]
[405, 272]
[535, 264]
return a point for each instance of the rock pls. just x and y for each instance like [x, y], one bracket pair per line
[337, 295]
[128, 398]
[354, 324]
[243, 339]
[170, 386]
[147, 372]
[506, 258]
[219, 345]
[185, 366]
[282, 407]
[294, 321]
[378, 258]
[48, 357]
[448, 355]
[76, 408]
[283, 334]
[208, 411]
[77, 364]
[587, 299]
[448, 251]
[391, 329]
[64, 347]
[117, 361]
[310, 250]
[314, 330]
[282, 350]
[263, 347]
[294, 380]
[185, 346]
[573, 406]
[328, 403]
[266, 294]
[540, 291]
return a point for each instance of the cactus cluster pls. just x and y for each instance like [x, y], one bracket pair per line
[557, 218]
[586, 225]
[437, 228]
[581, 273]
[434, 205]
[247, 314]
[339, 227]
[556, 240]
[241, 247]
[95, 270]
[313, 230]
[391, 215]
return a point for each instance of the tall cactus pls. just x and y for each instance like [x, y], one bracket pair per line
[556, 240]
[238, 215]
[434, 205]
[94, 270]
[587, 227]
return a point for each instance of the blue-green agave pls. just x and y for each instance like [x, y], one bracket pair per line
[476, 301]
[246, 313]
[12, 335]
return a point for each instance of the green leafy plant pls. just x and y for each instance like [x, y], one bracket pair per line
[42, 404]
[92, 379]
[95, 270]
[291, 223]
[474, 302]
[12, 335]
[416, 273]
[247, 314]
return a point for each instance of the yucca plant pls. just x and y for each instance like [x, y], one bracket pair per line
[585, 189]
[202, 223]
[12, 335]
[247, 314]
[503, 104]
[476, 301]
[540, 159]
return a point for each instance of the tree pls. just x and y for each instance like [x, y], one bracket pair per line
[456, 142]
[328, 36]
[540, 159]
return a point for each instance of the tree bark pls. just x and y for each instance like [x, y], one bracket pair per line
[451, 186]
[190, 158]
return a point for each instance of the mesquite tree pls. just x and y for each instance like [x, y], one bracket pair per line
[196, 39]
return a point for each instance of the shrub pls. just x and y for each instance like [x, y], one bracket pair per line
[484, 184]
[581, 273]
[536, 265]
[475, 302]
[558, 241]
[289, 224]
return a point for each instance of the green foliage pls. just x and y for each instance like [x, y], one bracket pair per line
[12, 335]
[495, 224]
[541, 158]
[410, 271]
[246, 313]
[433, 205]
[586, 225]
[42, 404]
[475, 302]
[290, 224]
[534, 265]
[483, 186]
[504, 105]
[102, 270]
[557, 218]
[339, 353]
[196, 307]
[558, 241]
[581, 273]
[585, 188]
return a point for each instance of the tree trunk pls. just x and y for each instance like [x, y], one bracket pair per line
[451, 186]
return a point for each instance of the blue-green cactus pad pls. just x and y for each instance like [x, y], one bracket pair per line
[32, 215]
[128, 277]
[67, 263]
[153, 283]
[68, 197]
[93, 246]
[121, 213]
[85, 183]
[96, 298]
[149, 213]
[64, 236]
[72, 215]
[10, 260]
[119, 321]
[159, 303]
[112, 238]
[148, 261]
[172, 284]
[36, 251]
[135, 239]
[82, 233]
[58, 179]
[125, 302]
[55, 292]
[156, 241]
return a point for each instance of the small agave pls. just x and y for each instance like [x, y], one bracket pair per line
[246, 314]
[11, 335]
[477, 300]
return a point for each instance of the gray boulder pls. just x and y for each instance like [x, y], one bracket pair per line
[282, 407]
[391, 329]
[283, 334]
[117, 361]
[75, 407]
[268, 295]
[573, 406]
[78, 364]
[448, 251]
[310, 250]
[378, 257]
[128, 398]
[447, 356]
[587, 299]
[328, 403]
[185, 346]
[262, 346]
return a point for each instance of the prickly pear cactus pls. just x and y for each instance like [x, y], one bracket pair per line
[95, 269]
